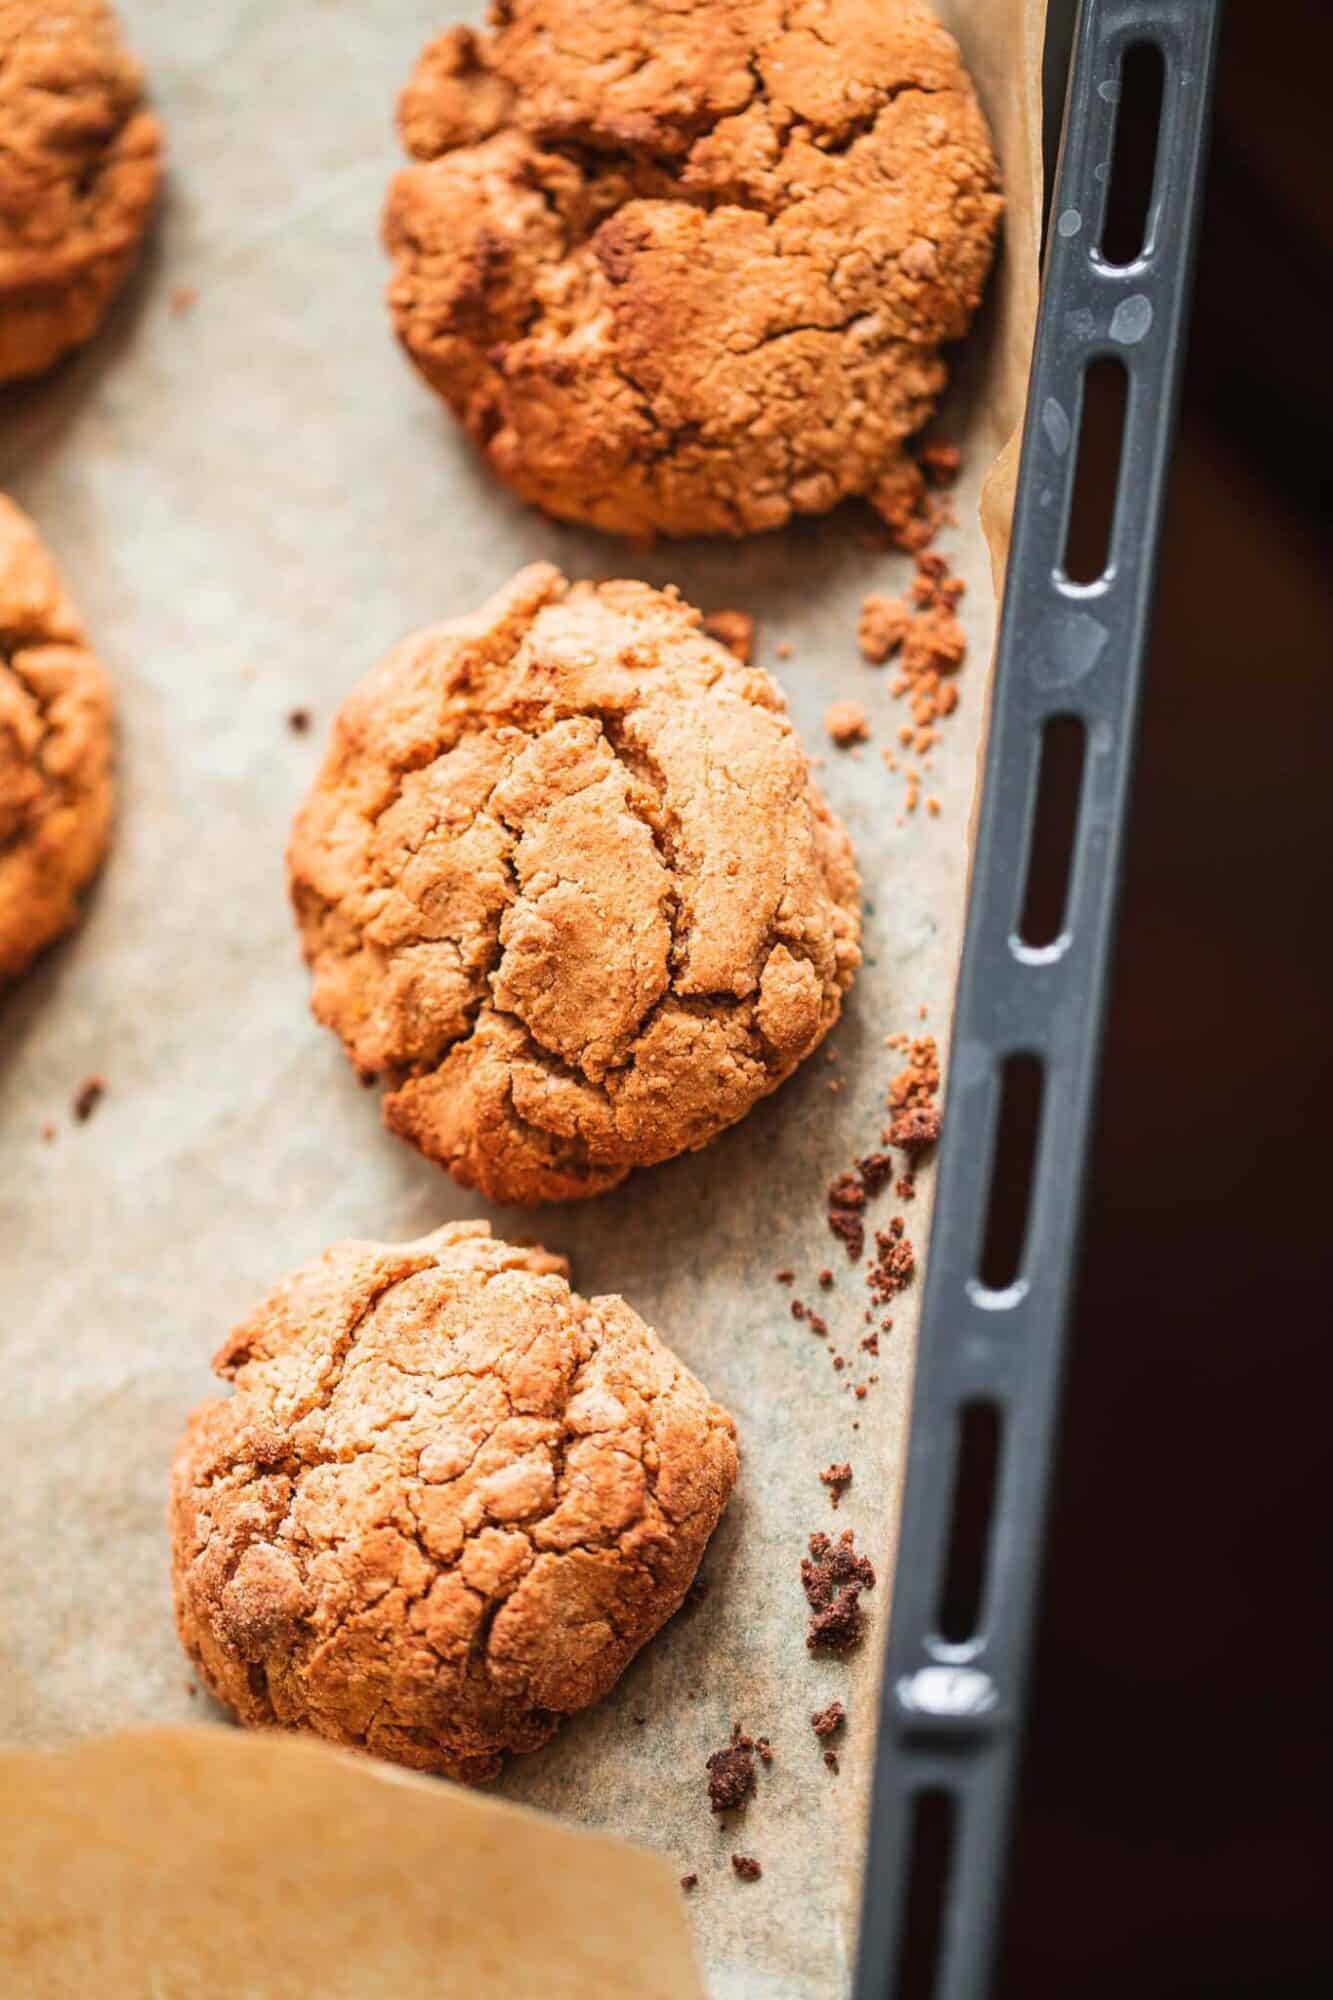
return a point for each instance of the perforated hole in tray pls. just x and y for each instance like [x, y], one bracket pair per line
[1097, 464]
[930, 1863]
[1013, 1168]
[976, 1474]
[1050, 860]
[1127, 229]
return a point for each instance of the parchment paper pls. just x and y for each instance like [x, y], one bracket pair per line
[251, 499]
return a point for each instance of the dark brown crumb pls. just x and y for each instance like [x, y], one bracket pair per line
[298, 721]
[837, 1478]
[860, 1395]
[833, 1576]
[831, 1759]
[826, 1278]
[895, 1261]
[746, 1867]
[905, 1188]
[816, 1323]
[839, 1363]
[734, 630]
[871, 1343]
[87, 1097]
[764, 1749]
[827, 1721]
[846, 1201]
[690, 1881]
[785, 1275]
[798, 1309]
[731, 1772]
[876, 1171]
[638, 1720]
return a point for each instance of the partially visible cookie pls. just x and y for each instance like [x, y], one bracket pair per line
[565, 882]
[80, 163]
[55, 750]
[683, 267]
[448, 1502]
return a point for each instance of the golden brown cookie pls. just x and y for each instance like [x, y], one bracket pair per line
[683, 267]
[564, 879]
[448, 1502]
[80, 162]
[55, 750]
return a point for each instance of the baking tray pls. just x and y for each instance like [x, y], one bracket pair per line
[251, 500]
[1028, 1028]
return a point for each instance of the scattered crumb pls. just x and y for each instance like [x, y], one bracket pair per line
[860, 1395]
[798, 1309]
[735, 630]
[298, 721]
[932, 805]
[846, 1201]
[837, 1478]
[827, 1721]
[894, 1263]
[846, 723]
[884, 624]
[871, 1343]
[915, 1129]
[816, 1323]
[746, 1867]
[731, 1772]
[181, 297]
[831, 1759]
[833, 1576]
[785, 1275]
[87, 1097]
[826, 1278]
[875, 1171]
[47, 1133]
[690, 1881]
[941, 462]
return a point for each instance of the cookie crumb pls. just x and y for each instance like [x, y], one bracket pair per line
[87, 1097]
[894, 1263]
[826, 1278]
[735, 630]
[785, 1275]
[690, 1881]
[731, 1773]
[846, 723]
[298, 721]
[846, 1198]
[837, 1478]
[746, 1867]
[827, 1721]
[833, 1576]
[831, 1759]
[883, 625]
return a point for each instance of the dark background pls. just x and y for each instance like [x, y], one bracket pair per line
[1172, 1833]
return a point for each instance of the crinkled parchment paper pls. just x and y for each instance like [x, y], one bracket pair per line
[251, 498]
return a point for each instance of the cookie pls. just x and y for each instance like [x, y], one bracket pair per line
[564, 881]
[55, 750]
[682, 267]
[447, 1504]
[80, 163]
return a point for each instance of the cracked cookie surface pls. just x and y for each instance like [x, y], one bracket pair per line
[564, 879]
[80, 163]
[685, 268]
[448, 1502]
[55, 750]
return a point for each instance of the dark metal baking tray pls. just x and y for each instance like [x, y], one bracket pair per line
[1028, 1027]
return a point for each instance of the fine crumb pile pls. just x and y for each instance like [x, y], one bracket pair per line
[565, 882]
[684, 268]
[833, 1577]
[80, 163]
[448, 1502]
